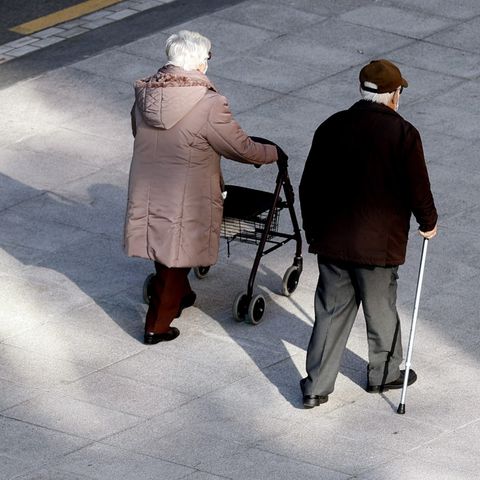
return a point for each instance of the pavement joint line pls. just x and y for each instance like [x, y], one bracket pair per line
[56, 430]
[68, 26]
[104, 442]
[458, 49]
[352, 475]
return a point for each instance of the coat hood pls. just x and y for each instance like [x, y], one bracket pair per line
[166, 97]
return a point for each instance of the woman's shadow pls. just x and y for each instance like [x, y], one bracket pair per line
[78, 235]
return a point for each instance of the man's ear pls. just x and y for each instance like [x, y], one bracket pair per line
[396, 99]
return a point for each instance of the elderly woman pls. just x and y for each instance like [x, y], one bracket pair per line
[182, 126]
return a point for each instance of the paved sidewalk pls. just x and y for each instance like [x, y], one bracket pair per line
[83, 398]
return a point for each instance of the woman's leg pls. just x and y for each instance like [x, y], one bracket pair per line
[168, 288]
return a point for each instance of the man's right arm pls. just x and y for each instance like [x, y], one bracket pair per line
[420, 194]
[308, 186]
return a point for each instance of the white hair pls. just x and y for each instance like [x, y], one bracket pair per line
[187, 49]
[385, 98]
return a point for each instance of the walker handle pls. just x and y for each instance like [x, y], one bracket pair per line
[282, 156]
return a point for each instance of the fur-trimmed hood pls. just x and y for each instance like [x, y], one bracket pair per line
[166, 97]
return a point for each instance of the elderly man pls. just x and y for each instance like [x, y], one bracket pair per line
[364, 177]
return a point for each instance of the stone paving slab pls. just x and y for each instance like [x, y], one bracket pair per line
[13, 394]
[83, 398]
[122, 394]
[42, 166]
[463, 37]
[43, 446]
[43, 371]
[54, 411]
[430, 56]
[461, 10]
[97, 462]
[397, 20]
[82, 347]
[259, 464]
[88, 204]
[280, 19]
[454, 449]
[415, 469]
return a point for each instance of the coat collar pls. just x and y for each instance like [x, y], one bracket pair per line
[173, 76]
[373, 107]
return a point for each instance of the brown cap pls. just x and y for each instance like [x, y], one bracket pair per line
[383, 75]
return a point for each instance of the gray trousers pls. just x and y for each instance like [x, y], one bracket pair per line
[339, 293]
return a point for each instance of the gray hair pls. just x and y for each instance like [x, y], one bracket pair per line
[384, 98]
[187, 49]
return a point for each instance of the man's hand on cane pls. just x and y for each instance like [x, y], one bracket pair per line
[430, 234]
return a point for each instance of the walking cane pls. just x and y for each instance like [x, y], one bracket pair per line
[401, 406]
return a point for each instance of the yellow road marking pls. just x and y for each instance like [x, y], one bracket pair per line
[62, 16]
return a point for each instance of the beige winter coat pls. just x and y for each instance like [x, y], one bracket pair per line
[182, 126]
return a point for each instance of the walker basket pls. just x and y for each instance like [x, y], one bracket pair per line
[245, 212]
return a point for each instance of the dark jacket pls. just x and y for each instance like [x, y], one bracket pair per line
[364, 176]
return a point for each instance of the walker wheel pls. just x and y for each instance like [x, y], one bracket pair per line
[147, 288]
[256, 309]
[290, 280]
[201, 272]
[240, 307]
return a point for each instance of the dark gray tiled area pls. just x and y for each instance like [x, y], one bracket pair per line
[398, 20]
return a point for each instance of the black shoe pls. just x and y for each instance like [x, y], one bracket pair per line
[398, 383]
[187, 301]
[310, 401]
[153, 338]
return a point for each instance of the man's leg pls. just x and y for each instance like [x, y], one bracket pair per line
[377, 288]
[335, 309]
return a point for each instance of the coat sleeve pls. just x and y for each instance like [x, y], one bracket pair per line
[420, 194]
[309, 187]
[227, 138]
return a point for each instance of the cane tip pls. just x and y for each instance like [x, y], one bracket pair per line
[401, 409]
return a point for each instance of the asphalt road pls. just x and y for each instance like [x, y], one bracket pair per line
[16, 12]
[95, 41]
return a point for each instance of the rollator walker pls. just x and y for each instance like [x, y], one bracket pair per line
[252, 216]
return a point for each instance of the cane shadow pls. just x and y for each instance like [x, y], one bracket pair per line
[79, 237]
[284, 333]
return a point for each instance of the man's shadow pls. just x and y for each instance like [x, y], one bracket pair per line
[279, 331]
